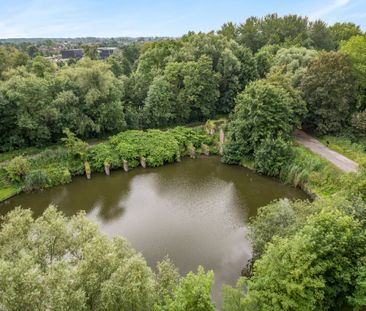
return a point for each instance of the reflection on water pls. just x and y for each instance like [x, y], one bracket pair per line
[195, 211]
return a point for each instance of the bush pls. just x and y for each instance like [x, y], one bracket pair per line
[58, 176]
[17, 168]
[36, 179]
[47, 177]
[102, 154]
[272, 155]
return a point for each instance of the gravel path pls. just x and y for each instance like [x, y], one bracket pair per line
[317, 147]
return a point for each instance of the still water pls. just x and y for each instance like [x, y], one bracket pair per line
[195, 211]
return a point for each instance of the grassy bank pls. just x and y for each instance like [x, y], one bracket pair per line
[310, 172]
[343, 145]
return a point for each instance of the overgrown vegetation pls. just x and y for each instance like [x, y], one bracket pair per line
[271, 75]
[56, 167]
[61, 263]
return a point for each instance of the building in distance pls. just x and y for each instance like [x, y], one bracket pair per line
[73, 53]
[105, 52]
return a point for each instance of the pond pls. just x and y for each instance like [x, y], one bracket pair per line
[195, 211]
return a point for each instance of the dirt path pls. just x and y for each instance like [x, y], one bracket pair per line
[317, 147]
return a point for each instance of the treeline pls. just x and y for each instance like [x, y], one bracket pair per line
[159, 84]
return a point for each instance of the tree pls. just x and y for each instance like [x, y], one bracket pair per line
[17, 168]
[193, 293]
[29, 98]
[272, 155]
[293, 62]
[160, 107]
[229, 30]
[250, 34]
[355, 48]
[344, 31]
[330, 102]
[200, 90]
[60, 263]
[91, 51]
[74, 146]
[321, 36]
[310, 259]
[264, 59]
[41, 66]
[261, 110]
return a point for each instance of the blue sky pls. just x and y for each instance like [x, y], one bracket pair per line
[111, 18]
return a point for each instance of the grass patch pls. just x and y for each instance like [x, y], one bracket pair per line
[343, 145]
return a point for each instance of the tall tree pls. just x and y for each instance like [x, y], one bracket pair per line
[330, 101]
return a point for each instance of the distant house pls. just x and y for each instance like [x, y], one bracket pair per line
[74, 53]
[106, 52]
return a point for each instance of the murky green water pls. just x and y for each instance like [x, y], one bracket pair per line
[195, 211]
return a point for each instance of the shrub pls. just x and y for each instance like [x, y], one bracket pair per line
[58, 176]
[102, 154]
[17, 168]
[272, 155]
[36, 179]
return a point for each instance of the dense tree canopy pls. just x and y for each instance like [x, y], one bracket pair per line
[329, 90]
[262, 110]
[61, 263]
[313, 258]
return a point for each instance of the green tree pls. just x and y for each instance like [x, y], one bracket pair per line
[229, 30]
[272, 155]
[293, 63]
[17, 168]
[91, 51]
[355, 48]
[74, 146]
[262, 110]
[344, 31]
[311, 256]
[41, 66]
[321, 36]
[160, 107]
[330, 102]
[194, 292]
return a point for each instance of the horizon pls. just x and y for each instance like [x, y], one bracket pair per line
[28, 19]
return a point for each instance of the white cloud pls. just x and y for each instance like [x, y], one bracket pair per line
[326, 10]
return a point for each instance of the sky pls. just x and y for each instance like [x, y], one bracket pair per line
[135, 18]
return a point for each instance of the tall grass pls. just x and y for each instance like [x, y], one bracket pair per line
[312, 173]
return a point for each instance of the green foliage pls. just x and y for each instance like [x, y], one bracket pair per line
[330, 101]
[46, 177]
[36, 179]
[59, 263]
[358, 299]
[311, 172]
[359, 123]
[344, 31]
[262, 110]
[321, 36]
[194, 292]
[74, 146]
[281, 218]
[272, 155]
[310, 257]
[292, 63]
[17, 168]
[102, 154]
